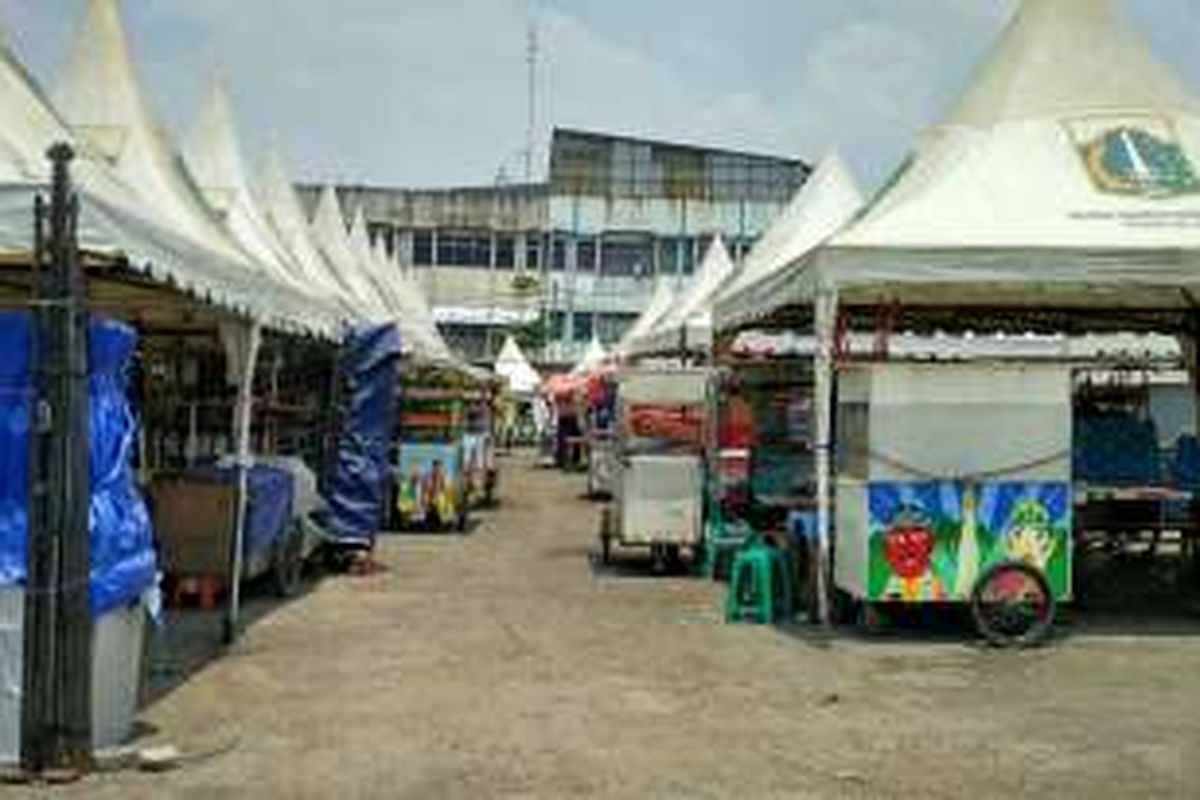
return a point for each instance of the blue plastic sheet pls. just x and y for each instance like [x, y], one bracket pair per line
[358, 487]
[122, 542]
[268, 506]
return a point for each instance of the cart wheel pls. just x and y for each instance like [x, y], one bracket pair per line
[606, 536]
[871, 618]
[288, 563]
[1013, 606]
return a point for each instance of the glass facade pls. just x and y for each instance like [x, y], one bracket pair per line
[583, 250]
[464, 249]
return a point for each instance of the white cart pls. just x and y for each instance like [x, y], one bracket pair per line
[948, 474]
[658, 481]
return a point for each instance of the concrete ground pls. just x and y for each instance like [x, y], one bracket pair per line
[502, 664]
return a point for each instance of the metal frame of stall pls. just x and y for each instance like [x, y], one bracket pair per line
[832, 324]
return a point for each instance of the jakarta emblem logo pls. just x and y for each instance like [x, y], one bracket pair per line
[1138, 156]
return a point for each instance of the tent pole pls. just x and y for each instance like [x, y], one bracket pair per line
[242, 347]
[825, 318]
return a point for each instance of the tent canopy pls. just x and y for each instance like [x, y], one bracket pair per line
[117, 219]
[593, 358]
[767, 279]
[514, 367]
[101, 97]
[660, 303]
[285, 213]
[329, 233]
[1065, 178]
[214, 157]
[689, 322]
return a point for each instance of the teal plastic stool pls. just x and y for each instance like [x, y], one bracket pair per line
[760, 585]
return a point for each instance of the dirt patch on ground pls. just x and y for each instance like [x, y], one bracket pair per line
[502, 664]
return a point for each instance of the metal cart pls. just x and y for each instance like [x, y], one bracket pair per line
[658, 485]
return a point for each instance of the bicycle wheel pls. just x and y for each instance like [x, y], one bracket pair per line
[1013, 606]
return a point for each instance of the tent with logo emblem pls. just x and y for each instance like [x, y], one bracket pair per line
[1061, 192]
[1067, 176]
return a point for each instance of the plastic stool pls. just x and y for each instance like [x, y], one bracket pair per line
[760, 585]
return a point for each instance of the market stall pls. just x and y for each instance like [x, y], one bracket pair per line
[760, 466]
[762, 463]
[1048, 201]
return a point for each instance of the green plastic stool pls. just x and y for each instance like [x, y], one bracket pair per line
[760, 585]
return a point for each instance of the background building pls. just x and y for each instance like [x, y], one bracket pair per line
[579, 254]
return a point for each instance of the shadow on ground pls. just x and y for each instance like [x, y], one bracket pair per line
[189, 640]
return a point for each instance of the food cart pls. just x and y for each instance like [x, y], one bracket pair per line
[430, 475]
[601, 435]
[954, 485]
[658, 489]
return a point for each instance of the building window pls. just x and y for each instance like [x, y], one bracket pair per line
[558, 257]
[668, 256]
[582, 329]
[585, 255]
[630, 256]
[688, 261]
[422, 248]
[505, 252]
[464, 249]
[557, 326]
[533, 251]
[611, 327]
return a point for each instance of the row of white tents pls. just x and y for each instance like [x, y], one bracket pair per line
[684, 323]
[194, 217]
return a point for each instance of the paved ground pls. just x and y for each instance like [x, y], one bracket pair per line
[501, 665]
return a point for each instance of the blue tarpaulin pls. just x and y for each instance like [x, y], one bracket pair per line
[122, 542]
[358, 487]
[268, 506]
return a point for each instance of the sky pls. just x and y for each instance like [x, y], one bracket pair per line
[433, 92]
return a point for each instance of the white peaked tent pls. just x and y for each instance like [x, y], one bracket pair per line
[100, 96]
[823, 205]
[687, 325]
[419, 337]
[1064, 180]
[1067, 175]
[515, 369]
[359, 238]
[592, 359]
[329, 233]
[214, 156]
[285, 213]
[116, 219]
[660, 303]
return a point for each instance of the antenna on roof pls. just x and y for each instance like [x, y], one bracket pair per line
[532, 53]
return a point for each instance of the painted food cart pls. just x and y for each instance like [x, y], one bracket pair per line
[430, 474]
[479, 447]
[954, 485]
[658, 487]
